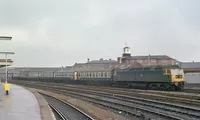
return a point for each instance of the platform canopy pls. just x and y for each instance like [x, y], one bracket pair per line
[3, 62]
[5, 38]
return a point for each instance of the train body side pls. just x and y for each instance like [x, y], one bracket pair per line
[150, 79]
[142, 76]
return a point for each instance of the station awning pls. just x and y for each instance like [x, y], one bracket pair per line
[3, 62]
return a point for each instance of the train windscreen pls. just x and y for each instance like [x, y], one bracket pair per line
[177, 71]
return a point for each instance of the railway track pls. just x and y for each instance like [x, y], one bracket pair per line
[139, 107]
[188, 89]
[65, 111]
[182, 98]
[186, 93]
[58, 114]
[146, 110]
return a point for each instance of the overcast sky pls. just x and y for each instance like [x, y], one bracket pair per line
[62, 32]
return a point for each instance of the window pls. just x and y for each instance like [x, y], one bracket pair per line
[101, 74]
[91, 74]
[81, 74]
[153, 61]
[105, 74]
[84, 74]
[108, 74]
[164, 60]
[96, 74]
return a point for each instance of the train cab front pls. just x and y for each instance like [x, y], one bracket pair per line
[178, 78]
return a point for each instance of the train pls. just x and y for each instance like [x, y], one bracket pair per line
[149, 77]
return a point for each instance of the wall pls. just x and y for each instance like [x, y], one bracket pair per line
[153, 62]
[192, 77]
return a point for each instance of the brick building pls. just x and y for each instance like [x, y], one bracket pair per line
[146, 60]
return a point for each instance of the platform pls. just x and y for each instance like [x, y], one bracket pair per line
[20, 104]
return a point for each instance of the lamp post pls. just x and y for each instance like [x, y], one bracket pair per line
[6, 53]
[6, 85]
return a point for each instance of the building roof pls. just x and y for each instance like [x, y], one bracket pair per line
[65, 69]
[78, 65]
[151, 57]
[190, 65]
[101, 61]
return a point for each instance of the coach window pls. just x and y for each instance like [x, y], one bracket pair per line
[105, 74]
[96, 74]
[88, 74]
[91, 74]
[101, 74]
[108, 74]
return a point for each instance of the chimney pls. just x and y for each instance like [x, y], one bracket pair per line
[149, 60]
[88, 60]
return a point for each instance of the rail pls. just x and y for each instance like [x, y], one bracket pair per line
[65, 110]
